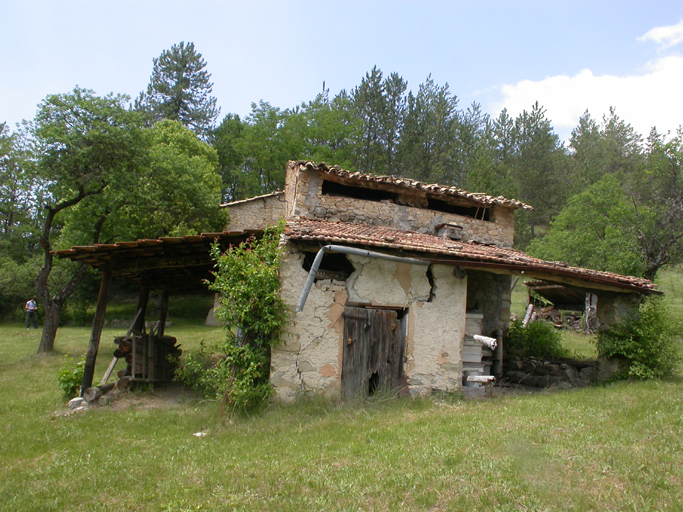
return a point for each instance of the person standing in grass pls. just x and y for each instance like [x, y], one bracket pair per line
[30, 307]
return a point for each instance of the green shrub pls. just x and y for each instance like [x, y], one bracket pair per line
[538, 339]
[70, 377]
[248, 280]
[197, 371]
[648, 342]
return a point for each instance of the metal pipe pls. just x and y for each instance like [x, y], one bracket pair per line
[347, 250]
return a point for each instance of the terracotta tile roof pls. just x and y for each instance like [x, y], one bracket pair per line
[468, 254]
[408, 183]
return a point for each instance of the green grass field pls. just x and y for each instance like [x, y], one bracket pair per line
[612, 448]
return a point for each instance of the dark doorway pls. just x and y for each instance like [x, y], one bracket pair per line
[372, 360]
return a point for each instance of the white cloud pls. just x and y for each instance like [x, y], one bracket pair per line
[665, 36]
[646, 100]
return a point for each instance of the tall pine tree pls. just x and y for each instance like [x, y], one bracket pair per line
[180, 89]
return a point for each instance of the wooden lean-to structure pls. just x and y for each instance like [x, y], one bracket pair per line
[166, 266]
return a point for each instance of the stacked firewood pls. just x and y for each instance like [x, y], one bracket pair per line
[560, 319]
[148, 358]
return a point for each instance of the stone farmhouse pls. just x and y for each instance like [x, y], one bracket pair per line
[392, 283]
[400, 284]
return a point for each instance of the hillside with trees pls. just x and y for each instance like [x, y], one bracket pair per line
[94, 168]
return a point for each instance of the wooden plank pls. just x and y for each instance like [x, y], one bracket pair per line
[110, 369]
[471, 358]
[473, 326]
[163, 314]
[143, 299]
[96, 334]
[355, 352]
[373, 351]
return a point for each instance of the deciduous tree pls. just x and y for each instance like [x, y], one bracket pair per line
[82, 143]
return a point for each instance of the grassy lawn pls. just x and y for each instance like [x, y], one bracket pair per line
[615, 448]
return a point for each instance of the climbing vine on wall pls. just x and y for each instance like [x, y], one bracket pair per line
[247, 277]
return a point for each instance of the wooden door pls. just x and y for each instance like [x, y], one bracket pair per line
[373, 351]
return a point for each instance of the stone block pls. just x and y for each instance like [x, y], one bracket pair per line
[305, 366]
[76, 402]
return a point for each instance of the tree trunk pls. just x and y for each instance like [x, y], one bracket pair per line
[53, 311]
[53, 305]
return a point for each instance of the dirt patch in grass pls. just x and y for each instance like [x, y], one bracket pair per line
[162, 396]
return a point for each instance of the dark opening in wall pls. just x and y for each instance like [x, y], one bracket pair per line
[333, 266]
[331, 188]
[465, 211]
[430, 278]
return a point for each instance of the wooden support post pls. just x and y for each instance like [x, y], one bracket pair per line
[529, 316]
[139, 326]
[497, 368]
[109, 371]
[163, 314]
[97, 324]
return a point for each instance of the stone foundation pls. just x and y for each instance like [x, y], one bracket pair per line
[558, 373]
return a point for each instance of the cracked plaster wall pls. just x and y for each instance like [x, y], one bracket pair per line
[309, 359]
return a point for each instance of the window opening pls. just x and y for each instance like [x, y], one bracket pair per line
[332, 188]
[333, 266]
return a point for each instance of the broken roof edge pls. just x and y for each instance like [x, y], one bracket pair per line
[411, 184]
[250, 199]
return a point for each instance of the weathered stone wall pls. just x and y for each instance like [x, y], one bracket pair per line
[309, 359]
[310, 203]
[616, 308]
[256, 213]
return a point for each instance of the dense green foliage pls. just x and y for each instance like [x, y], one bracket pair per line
[627, 213]
[248, 281]
[537, 339]
[98, 174]
[83, 146]
[649, 342]
[237, 374]
[177, 189]
[592, 231]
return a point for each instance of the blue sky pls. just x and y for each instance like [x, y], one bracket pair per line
[570, 56]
